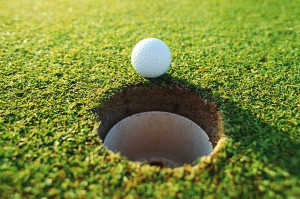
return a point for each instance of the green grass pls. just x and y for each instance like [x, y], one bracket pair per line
[60, 59]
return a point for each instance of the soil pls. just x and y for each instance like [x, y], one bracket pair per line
[178, 100]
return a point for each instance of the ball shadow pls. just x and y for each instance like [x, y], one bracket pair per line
[246, 132]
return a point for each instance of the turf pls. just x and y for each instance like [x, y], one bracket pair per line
[62, 59]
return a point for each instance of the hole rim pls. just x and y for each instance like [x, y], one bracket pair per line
[110, 106]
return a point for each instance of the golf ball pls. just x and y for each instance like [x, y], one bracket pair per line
[151, 57]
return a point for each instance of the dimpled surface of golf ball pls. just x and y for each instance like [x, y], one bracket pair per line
[151, 57]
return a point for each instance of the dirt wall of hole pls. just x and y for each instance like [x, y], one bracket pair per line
[178, 100]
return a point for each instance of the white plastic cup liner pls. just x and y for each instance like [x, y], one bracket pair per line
[159, 138]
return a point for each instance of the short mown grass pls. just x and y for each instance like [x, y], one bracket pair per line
[59, 60]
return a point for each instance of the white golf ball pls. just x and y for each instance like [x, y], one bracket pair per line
[151, 57]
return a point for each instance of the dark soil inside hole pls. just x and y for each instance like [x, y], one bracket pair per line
[157, 164]
[178, 100]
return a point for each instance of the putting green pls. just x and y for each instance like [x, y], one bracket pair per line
[62, 59]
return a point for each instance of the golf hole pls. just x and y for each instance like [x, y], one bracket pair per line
[159, 126]
[160, 138]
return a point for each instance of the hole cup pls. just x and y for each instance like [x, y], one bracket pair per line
[159, 138]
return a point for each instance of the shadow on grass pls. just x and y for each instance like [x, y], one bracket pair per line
[250, 134]
[255, 145]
